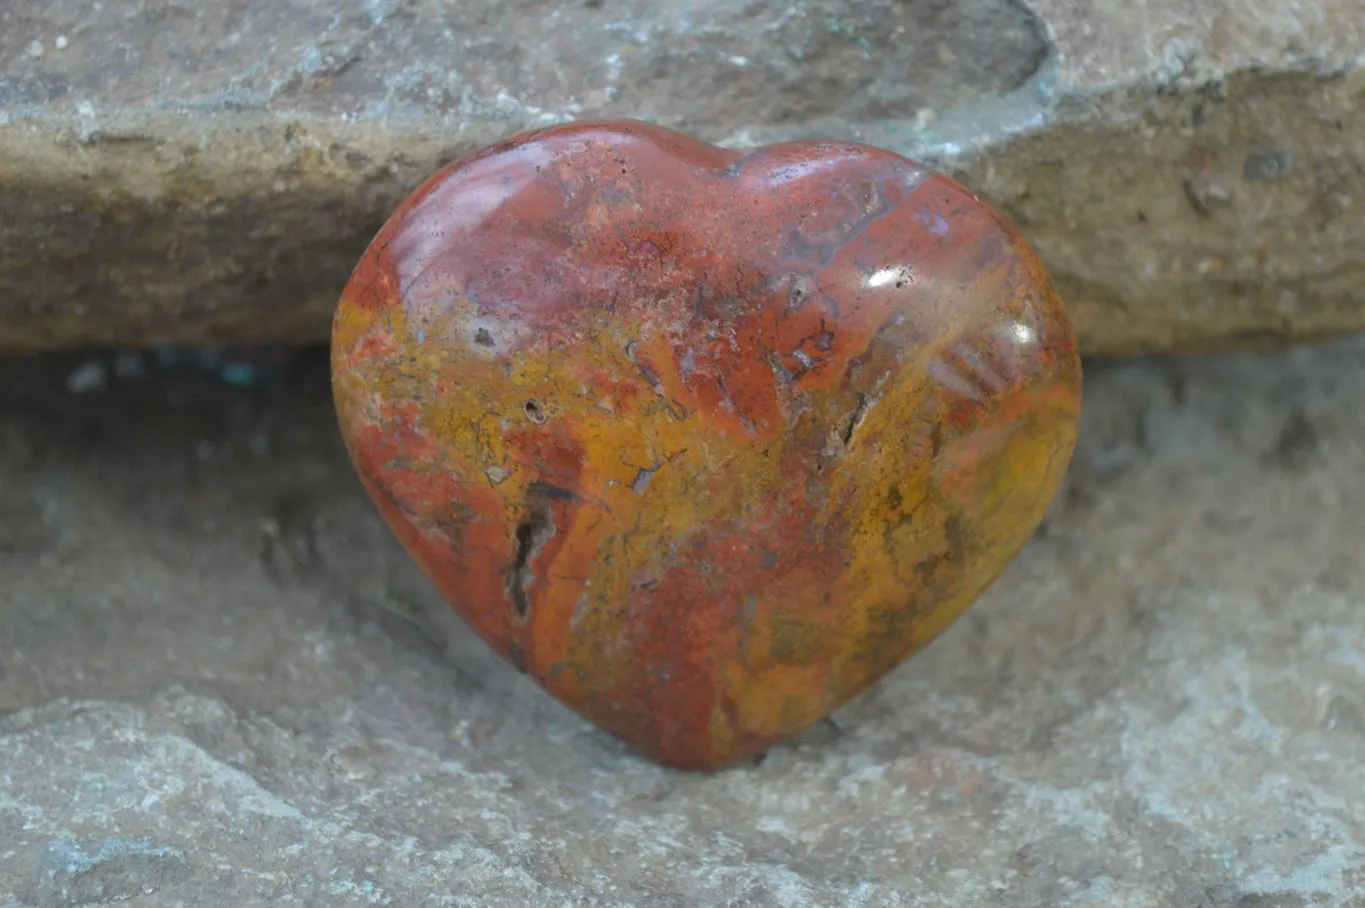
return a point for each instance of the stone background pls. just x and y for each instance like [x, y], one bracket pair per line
[179, 171]
[219, 680]
[208, 695]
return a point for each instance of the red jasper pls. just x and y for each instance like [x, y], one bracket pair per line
[705, 441]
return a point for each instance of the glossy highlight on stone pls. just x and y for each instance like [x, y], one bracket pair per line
[705, 441]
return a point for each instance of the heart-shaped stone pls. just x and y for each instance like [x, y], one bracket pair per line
[705, 441]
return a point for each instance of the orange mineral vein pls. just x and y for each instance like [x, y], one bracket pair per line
[704, 441]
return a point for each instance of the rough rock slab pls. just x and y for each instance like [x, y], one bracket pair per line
[190, 172]
[1162, 703]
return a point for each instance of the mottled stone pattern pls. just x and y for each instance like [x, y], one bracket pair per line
[1161, 704]
[102, 870]
[177, 172]
[704, 441]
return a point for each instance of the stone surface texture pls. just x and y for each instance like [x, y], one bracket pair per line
[704, 478]
[1193, 171]
[208, 692]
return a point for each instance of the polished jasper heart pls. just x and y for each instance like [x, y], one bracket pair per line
[705, 441]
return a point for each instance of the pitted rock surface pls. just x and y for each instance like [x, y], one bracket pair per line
[204, 652]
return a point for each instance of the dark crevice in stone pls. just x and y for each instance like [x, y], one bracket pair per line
[533, 533]
[850, 423]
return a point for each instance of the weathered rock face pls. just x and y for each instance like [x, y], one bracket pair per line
[1192, 170]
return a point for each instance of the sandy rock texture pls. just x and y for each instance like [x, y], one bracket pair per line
[211, 692]
[193, 172]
